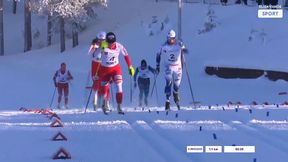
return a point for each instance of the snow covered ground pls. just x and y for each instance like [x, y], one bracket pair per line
[26, 81]
[143, 136]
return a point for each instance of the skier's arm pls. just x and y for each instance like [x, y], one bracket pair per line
[184, 49]
[93, 46]
[54, 78]
[94, 41]
[158, 59]
[70, 77]
[152, 69]
[128, 60]
[126, 55]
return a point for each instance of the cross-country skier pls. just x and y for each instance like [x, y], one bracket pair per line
[61, 81]
[143, 81]
[171, 54]
[110, 69]
[95, 52]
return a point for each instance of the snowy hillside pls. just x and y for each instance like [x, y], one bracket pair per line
[29, 76]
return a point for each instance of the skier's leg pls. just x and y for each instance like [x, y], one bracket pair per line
[104, 90]
[119, 94]
[93, 69]
[104, 86]
[109, 95]
[60, 93]
[95, 100]
[99, 98]
[97, 94]
[146, 92]
[117, 79]
[96, 87]
[177, 76]
[66, 93]
[141, 90]
[168, 77]
[168, 94]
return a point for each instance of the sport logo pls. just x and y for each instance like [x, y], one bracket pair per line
[270, 11]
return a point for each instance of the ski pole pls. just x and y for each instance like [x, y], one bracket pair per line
[189, 81]
[89, 97]
[156, 91]
[85, 93]
[112, 94]
[52, 99]
[154, 84]
[98, 67]
[131, 89]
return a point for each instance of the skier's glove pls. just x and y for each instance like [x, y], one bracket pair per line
[131, 71]
[157, 71]
[185, 50]
[55, 84]
[104, 45]
[95, 77]
[94, 41]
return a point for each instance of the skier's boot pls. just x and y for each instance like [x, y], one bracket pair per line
[176, 99]
[167, 105]
[105, 107]
[94, 107]
[119, 109]
[109, 109]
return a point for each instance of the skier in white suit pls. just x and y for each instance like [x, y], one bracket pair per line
[171, 55]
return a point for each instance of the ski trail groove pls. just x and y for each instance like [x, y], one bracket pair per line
[165, 148]
[250, 131]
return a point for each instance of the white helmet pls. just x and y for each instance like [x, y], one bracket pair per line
[171, 34]
[101, 35]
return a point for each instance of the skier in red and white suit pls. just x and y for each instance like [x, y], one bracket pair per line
[95, 52]
[111, 70]
[61, 79]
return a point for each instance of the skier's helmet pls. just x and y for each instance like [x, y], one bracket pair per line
[101, 35]
[110, 37]
[143, 63]
[171, 34]
[171, 37]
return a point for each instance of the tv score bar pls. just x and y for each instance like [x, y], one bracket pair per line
[221, 149]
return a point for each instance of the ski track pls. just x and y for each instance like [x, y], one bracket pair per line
[182, 149]
[162, 145]
[261, 130]
[265, 130]
[207, 130]
[255, 133]
[155, 129]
